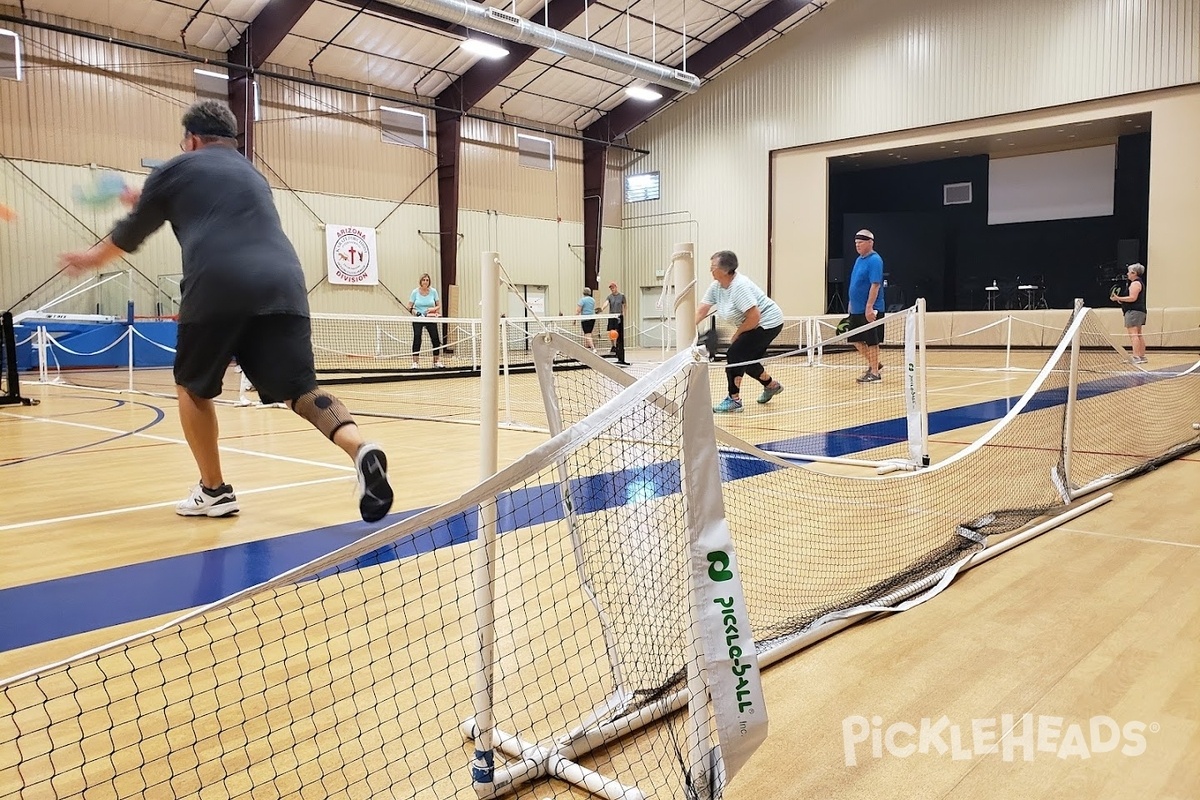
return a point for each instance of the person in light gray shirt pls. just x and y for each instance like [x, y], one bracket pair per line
[758, 319]
[615, 304]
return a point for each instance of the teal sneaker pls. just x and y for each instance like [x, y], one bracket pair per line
[728, 406]
[774, 388]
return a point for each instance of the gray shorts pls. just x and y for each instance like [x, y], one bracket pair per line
[1135, 319]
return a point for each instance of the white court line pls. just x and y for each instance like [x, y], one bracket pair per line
[169, 440]
[1139, 539]
[132, 509]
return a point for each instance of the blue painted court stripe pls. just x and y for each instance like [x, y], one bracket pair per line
[61, 607]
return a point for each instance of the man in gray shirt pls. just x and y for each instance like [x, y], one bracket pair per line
[615, 304]
[243, 297]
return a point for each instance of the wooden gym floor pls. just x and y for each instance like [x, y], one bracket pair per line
[1096, 621]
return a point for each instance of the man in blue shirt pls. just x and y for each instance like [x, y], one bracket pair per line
[867, 304]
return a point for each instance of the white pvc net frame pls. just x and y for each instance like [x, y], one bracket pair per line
[608, 612]
[818, 549]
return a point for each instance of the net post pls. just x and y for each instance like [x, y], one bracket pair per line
[129, 320]
[683, 265]
[483, 564]
[43, 374]
[1008, 346]
[922, 385]
[809, 327]
[1072, 396]
[504, 333]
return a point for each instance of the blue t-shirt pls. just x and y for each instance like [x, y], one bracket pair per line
[587, 305]
[868, 269]
[422, 303]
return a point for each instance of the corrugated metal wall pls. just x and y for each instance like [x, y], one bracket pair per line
[86, 103]
[870, 66]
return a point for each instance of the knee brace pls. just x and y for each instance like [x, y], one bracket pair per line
[323, 411]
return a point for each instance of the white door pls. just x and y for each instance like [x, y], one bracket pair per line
[657, 327]
[521, 320]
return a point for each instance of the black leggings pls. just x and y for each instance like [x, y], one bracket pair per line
[436, 341]
[750, 346]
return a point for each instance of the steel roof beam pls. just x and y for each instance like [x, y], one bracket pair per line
[704, 62]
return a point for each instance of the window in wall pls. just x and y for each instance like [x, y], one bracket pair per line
[10, 56]
[641, 187]
[403, 127]
[535, 151]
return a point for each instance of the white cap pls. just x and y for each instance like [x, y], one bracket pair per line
[865, 234]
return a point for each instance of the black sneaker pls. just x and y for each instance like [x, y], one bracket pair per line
[869, 377]
[374, 491]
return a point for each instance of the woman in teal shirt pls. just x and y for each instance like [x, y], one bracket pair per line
[424, 302]
[587, 308]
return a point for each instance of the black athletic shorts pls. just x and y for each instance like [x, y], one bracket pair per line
[275, 352]
[587, 325]
[868, 337]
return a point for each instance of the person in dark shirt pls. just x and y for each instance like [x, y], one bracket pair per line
[1134, 305]
[243, 297]
[615, 304]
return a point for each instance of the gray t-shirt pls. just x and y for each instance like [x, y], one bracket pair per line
[237, 261]
[616, 303]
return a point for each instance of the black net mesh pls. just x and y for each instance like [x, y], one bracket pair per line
[812, 542]
[353, 676]
[821, 391]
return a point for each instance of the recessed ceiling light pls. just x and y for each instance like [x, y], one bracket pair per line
[956, 151]
[642, 93]
[483, 49]
[942, 147]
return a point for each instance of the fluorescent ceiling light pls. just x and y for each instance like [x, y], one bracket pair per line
[482, 48]
[642, 93]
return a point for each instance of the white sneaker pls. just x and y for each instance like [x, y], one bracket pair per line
[203, 502]
[415, 365]
[438, 365]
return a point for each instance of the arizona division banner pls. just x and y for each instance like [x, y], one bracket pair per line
[351, 256]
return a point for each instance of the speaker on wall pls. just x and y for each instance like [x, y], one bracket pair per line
[1128, 252]
[835, 286]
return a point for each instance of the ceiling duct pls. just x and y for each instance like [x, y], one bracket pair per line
[509, 26]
